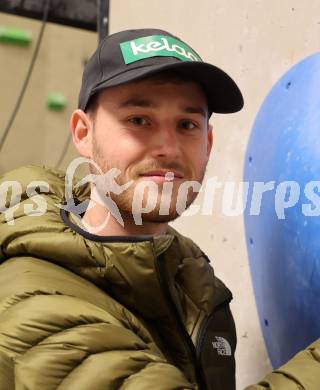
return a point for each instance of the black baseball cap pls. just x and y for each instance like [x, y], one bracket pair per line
[135, 54]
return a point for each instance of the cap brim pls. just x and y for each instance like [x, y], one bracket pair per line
[222, 92]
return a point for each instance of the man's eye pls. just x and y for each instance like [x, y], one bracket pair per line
[137, 120]
[188, 125]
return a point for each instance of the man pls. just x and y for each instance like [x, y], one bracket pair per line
[116, 299]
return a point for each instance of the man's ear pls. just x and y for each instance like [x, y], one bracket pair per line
[81, 127]
[210, 140]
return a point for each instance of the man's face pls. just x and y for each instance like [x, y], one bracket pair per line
[146, 129]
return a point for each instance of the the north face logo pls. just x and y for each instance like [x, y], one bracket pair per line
[222, 346]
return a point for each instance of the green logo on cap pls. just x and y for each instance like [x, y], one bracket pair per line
[157, 45]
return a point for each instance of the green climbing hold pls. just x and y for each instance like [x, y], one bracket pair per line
[56, 101]
[15, 36]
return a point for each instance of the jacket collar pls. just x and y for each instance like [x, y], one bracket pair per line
[130, 273]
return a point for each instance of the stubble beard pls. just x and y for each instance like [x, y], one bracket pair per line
[124, 201]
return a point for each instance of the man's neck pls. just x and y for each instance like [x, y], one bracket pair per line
[99, 220]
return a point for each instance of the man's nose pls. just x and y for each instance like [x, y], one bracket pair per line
[166, 143]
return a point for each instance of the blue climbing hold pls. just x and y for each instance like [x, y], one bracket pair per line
[283, 223]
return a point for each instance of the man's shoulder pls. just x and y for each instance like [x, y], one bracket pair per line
[55, 180]
[22, 278]
[28, 173]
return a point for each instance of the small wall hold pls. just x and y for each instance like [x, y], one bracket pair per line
[56, 101]
[15, 36]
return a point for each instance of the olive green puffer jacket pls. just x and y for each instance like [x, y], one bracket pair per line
[79, 311]
[302, 372]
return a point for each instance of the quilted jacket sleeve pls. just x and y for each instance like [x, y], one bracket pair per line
[302, 372]
[49, 340]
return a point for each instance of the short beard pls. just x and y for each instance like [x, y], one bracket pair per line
[124, 201]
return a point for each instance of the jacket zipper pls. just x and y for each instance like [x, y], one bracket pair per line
[161, 271]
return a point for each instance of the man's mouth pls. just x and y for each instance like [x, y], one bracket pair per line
[162, 175]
